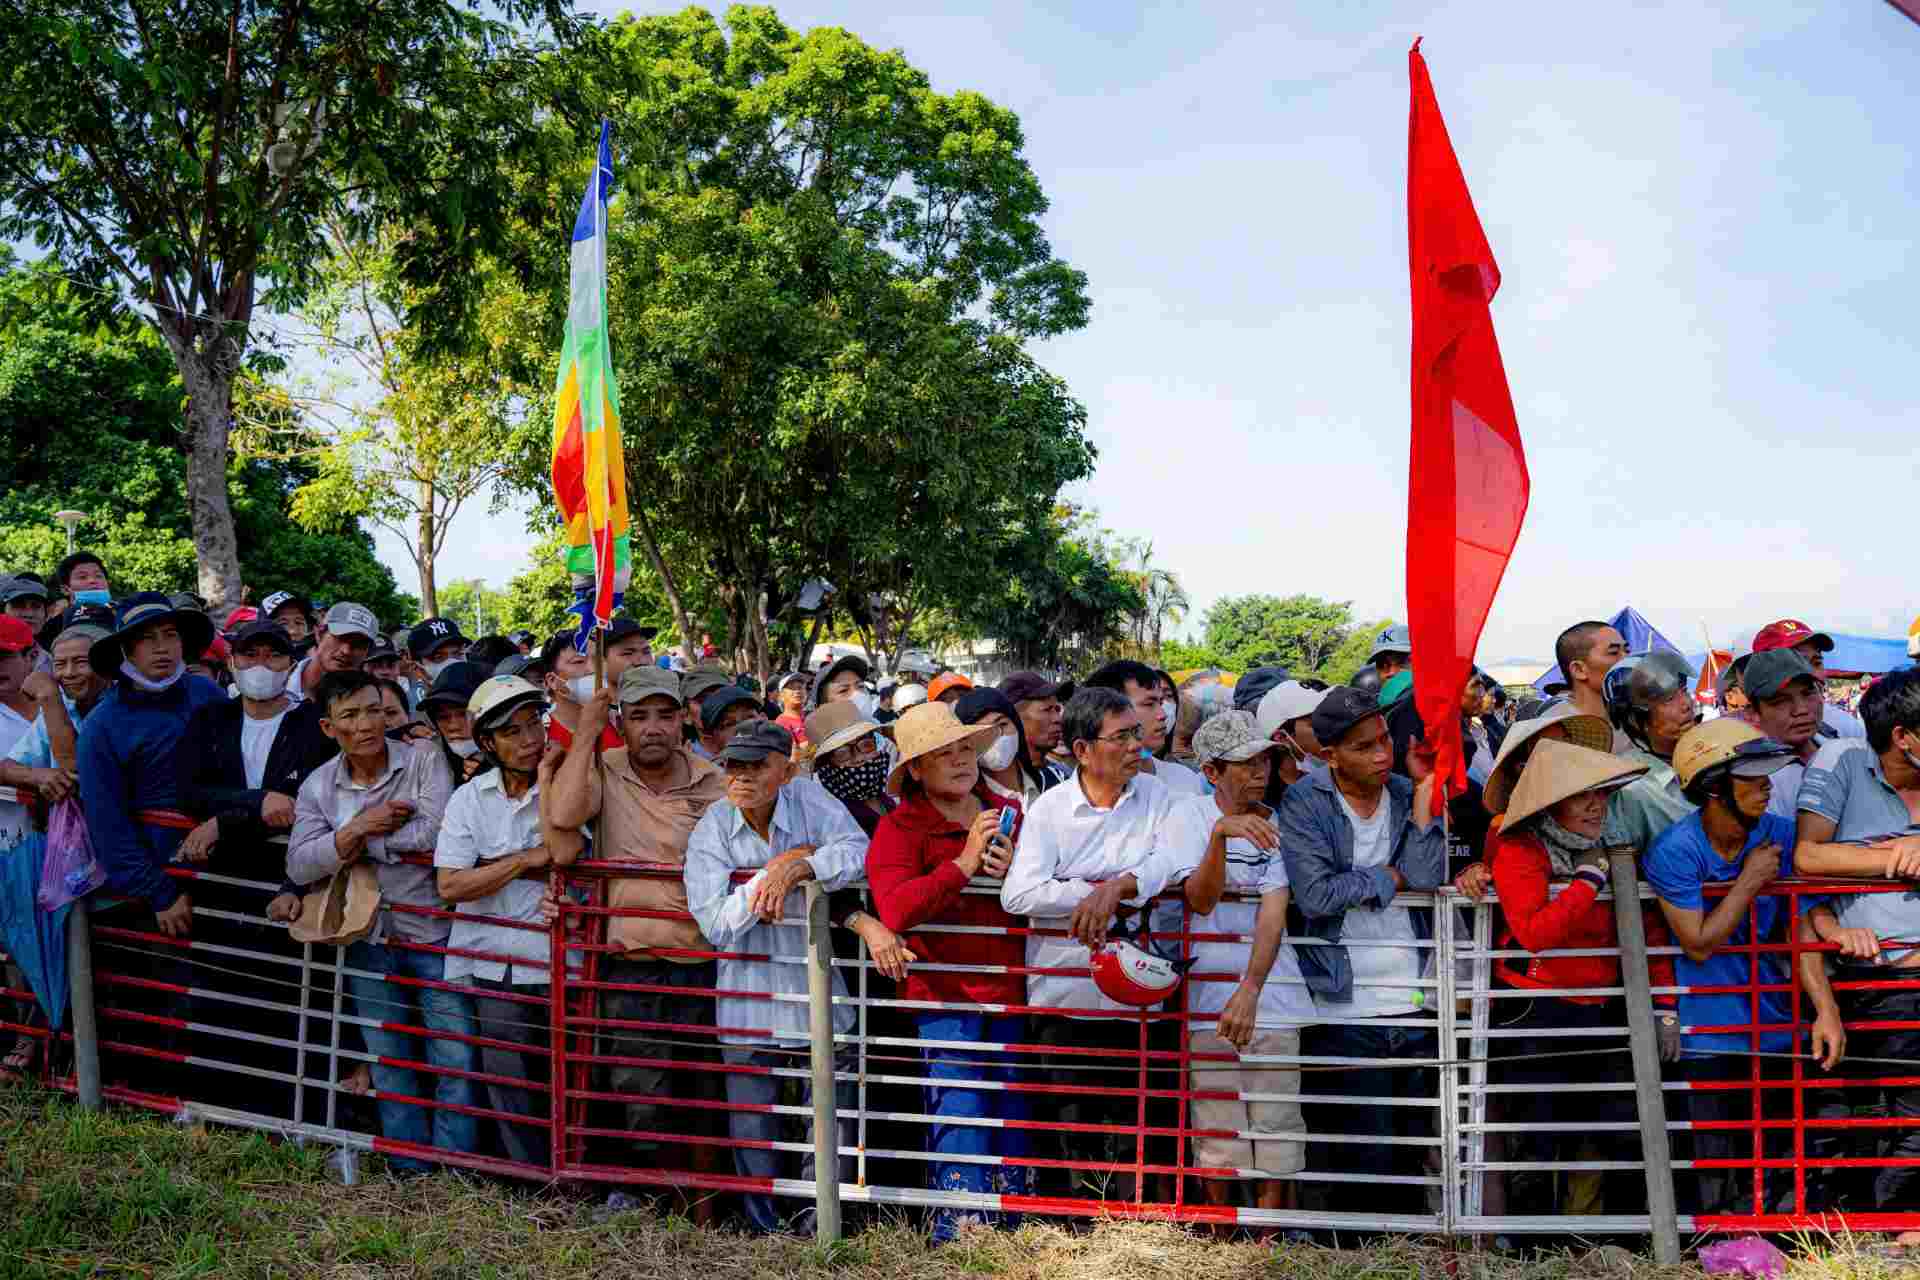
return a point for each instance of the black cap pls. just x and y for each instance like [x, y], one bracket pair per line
[755, 741]
[456, 684]
[281, 599]
[381, 650]
[715, 703]
[621, 628]
[88, 615]
[260, 629]
[22, 587]
[1338, 713]
[431, 634]
[1255, 685]
[1029, 686]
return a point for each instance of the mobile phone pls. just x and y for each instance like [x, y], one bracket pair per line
[1006, 825]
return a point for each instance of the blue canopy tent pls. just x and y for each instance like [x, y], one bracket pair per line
[1852, 655]
[1641, 637]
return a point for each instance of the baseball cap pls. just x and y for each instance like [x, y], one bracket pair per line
[1343, 708]
[350, 619]
[12, 589]
[790, 677]
[240, 617]
[1790, 633]
[1728, 740]
[1229, 737]
[1255, 685]
[701, 681]
[1031, 686]
[431, 634]
[755, 741]
[1771, 670]
[945, 682]
[15, 635]
[281, 599]
[94, 621]
[715, 704]
[1395, 639]
[261, 629]
[514, 664]
[1285, 702]
[642, 682]
[621, 628]
[382, 649]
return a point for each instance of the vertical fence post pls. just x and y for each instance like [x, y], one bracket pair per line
[1646, 1059]
[826, 1121]
[1447, 1041]
[86, 1028]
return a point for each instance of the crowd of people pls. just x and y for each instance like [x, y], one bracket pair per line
[1125, 882]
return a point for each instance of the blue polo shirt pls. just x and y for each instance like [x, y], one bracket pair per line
[1678, 868]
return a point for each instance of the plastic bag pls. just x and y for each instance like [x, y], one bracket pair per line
[1748, 1256]
[70, 871]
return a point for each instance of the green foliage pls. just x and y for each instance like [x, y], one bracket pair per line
[1300, 633]
[1062, 602]
[1179, 655]
[1353, 652]
[90, 414]
[822, 275]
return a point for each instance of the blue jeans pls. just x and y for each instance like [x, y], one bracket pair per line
[438, 1011]
[755, 1121]
[972, 1061]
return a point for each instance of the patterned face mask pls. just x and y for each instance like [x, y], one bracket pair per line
[862, 781]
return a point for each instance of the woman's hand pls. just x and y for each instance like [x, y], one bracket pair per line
[198, 846]
[1473, 880]
[974, 855]
[890, 953]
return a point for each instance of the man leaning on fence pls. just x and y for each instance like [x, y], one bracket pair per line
[129, 787]
[381, 800]
[786, 831]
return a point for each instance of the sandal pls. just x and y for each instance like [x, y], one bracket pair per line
[18, 1066]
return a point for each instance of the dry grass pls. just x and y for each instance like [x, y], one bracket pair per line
[125, 1194]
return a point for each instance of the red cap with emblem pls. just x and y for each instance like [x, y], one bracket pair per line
[1790, 633]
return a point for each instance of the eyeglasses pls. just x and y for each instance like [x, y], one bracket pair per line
[1135, 735]
[852, 753]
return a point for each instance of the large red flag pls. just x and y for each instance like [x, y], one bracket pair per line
[1467, 483]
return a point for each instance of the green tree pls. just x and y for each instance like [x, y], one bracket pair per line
[1179, 655]
[1297, 632]
[480, 610]
[189, 156]
[823, 275]
[1062, 602]
[112, 393]
[1353, 652]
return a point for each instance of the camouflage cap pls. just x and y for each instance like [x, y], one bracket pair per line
[1228, 738]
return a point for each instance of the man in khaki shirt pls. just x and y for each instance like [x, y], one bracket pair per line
[649, 795]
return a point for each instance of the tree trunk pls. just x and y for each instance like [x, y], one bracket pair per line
[423, 556]
[208, 377]
[681, 621]
[757, 643]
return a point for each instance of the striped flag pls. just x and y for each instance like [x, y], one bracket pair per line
[589, 469]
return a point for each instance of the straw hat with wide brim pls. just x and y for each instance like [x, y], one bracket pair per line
[1557, 770]
[837, 724]
[341, 909]
[927, 728]
[1579, 727]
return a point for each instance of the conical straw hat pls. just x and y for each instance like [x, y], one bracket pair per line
[1579, 728]
[1558, 770]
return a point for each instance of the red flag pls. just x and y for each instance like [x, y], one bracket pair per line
[1467, 483]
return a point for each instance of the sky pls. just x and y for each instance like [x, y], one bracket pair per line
[1705, 218]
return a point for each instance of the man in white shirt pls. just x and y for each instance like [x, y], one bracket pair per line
[1088, 846]
[1236, 885]
[1353, 838]
[787, 831]
[1139, 684]
[491, 838]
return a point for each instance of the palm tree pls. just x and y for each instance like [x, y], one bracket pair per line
[1163, 601]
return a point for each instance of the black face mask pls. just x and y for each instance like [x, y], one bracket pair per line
[862, 781]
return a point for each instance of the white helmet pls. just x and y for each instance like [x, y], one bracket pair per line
[908, 695]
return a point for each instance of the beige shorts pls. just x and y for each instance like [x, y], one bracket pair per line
[1268, 1157]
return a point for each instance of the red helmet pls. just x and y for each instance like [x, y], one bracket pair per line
[1129, 971]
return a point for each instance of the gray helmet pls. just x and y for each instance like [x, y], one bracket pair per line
[1641, 682]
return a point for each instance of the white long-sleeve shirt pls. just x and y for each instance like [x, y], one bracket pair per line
[723, 842]
[1067, 847]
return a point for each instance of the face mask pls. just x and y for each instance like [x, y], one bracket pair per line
[1168, 710]
[866, 703]
[1000, 754]
[858, 782]
[95, 596]
[580, 688]
[433, 669]
[261, 683]
[465, 748]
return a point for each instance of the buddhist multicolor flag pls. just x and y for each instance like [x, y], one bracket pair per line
[589, 468]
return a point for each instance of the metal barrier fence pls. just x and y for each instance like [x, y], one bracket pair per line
[677, 1072]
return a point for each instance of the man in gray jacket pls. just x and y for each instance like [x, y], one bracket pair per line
[1354, 837]
[380, 800]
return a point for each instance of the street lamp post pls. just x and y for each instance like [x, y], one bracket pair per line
[70, 519]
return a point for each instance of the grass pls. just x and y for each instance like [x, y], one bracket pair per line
[122, 1193]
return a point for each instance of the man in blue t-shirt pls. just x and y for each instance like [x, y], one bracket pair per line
[1725, 767]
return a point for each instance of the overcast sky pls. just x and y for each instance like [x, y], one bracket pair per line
[1705, 220]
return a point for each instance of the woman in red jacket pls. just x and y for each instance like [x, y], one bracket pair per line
[944, 833]
[1550, 839]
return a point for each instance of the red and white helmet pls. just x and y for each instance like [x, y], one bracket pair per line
[1129, 971]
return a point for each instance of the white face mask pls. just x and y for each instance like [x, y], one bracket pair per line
[580, 688]
[866, 702]
[1168, 710]
[465, 748]
[260, 683]
[1000, 754]
[433, 669]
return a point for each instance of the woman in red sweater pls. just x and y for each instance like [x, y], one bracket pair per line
[944, 833]
[1550, 839]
